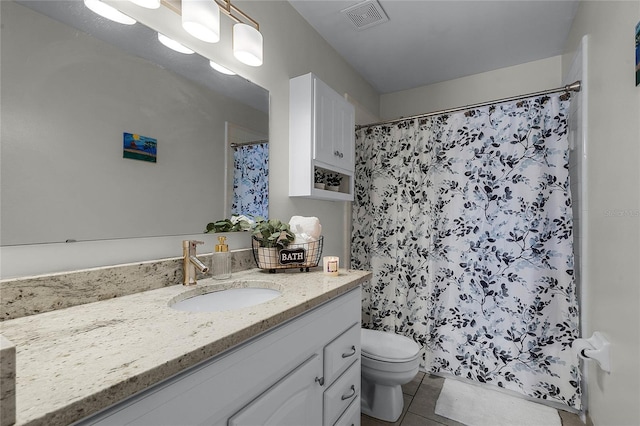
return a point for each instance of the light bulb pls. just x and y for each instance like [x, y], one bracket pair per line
[174, 45]
[201, 19]
[221, 69]
[148, 4]
[247, 44]
[109, 12]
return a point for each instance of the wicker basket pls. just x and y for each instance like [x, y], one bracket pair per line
[303, 256]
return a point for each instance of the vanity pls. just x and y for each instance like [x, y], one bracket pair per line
[135, 360]
[104, 346]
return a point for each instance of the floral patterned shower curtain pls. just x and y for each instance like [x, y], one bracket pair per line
[465, 221]
[251, 180]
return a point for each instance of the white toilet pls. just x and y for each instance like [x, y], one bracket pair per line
[388, 361]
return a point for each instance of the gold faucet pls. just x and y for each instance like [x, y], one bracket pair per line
[190, 262]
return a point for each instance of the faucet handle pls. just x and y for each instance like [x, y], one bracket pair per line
[191, 243]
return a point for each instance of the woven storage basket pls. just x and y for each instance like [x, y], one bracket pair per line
[303, 256]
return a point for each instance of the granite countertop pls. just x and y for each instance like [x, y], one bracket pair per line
[76, 361]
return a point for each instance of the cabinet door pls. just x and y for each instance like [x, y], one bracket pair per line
[344, 139]
[292, 401]
[325, 101]
[334, 128]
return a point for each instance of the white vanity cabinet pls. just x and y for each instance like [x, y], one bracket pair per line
[321, 138]
[303, 372]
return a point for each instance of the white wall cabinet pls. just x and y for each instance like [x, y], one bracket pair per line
[321, 138]
[304, 372]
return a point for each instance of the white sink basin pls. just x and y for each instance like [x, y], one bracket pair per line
[226, 300]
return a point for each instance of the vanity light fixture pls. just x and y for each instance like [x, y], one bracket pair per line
[221, 69]
[247, 44]
[247, 39]
[148, 4]
[201, 19]
[109, 12]
[174, 45]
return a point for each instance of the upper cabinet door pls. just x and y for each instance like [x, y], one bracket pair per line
[345, 130]
[334, 128]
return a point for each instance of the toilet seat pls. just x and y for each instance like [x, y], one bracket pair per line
[387, 347]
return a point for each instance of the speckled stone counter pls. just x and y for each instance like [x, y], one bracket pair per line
[7, 382]
[73, 362]
[38, 294]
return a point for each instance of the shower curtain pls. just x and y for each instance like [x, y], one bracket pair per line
[465, 221]
[251, 180]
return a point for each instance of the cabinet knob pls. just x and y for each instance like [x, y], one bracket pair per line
[320, 381]
[350, 394]
[349, 354]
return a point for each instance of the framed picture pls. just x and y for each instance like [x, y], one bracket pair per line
[139, 147]
[638, 54]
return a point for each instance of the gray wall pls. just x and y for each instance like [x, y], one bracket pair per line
[502, 83]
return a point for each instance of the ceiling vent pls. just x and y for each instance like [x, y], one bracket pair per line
[366, 14]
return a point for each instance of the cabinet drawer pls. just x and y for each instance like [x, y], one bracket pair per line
[341, 353]
[351, 417]
[341, 393]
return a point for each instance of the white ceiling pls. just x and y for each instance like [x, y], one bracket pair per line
[425, 42]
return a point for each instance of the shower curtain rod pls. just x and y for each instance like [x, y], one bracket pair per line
[573, 87]
[239, 144]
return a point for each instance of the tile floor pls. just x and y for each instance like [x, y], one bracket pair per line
[420, 396]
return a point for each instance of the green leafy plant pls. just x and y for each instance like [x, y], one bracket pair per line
[272, 233]
[334, 179]
[318, 176]
[235, 224]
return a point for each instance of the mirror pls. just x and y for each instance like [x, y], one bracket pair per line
[248, 172]
[73, 84]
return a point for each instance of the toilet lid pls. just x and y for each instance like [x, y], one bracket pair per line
[388, 347]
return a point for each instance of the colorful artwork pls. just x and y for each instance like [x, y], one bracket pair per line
[139, 147]
[638, 54]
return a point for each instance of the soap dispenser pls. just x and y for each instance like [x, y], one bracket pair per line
[221, 260]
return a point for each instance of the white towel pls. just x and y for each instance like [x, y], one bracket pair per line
[305, 229]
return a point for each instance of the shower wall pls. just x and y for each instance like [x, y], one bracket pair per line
[578, 175]
[577, 168]
[611, 214]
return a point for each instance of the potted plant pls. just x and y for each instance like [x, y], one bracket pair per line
[270, 235]
[237, 223]
[333, 181]
[318, 178]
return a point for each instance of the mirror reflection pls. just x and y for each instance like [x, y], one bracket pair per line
[73, 84]
[249, 167]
